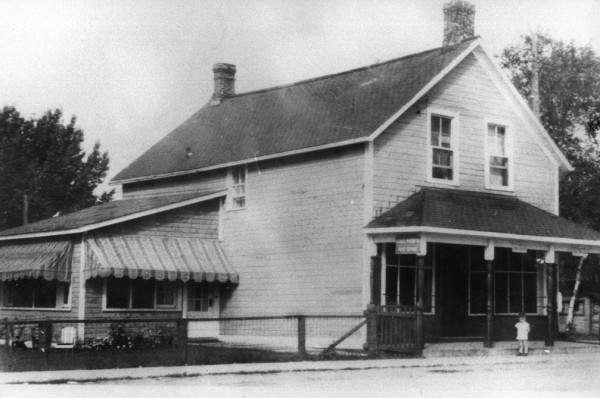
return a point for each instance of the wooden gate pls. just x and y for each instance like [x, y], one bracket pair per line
[396, 331]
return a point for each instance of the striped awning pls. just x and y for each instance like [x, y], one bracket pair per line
[158, 258]
[50, 260]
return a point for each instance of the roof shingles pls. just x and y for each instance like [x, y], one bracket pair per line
[479, 211]
[337, 108]
[101, 213]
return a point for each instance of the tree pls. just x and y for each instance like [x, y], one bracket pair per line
[569, 95]
[42, 158]
[569, 89]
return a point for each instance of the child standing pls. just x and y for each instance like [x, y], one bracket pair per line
[523, 329]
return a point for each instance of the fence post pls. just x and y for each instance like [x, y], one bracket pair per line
[46, 327]
[371, 315]
[182, 337]
[302, 336]
[7, 335]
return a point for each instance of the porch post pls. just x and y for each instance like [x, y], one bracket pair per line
[489, 267]
[551, 294]
[375, 279]
[420, 302]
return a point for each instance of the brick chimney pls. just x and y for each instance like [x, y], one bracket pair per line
[459, 22]
[224, 76]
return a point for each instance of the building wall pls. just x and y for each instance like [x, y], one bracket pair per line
[199, 221]
[401, 151]
[298, 245]
[586, 321]
[201, 182]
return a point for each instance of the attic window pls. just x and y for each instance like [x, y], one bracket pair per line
[238, 187]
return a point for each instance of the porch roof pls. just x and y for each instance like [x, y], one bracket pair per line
[157, 257]
[489, 214]
[50, 260]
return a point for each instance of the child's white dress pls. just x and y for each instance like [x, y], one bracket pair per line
[522, 330]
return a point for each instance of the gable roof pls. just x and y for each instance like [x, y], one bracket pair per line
[106, 214]
[336, 110]
[482, 212]
[330, 111]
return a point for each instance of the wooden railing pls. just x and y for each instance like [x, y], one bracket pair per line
[393, 329]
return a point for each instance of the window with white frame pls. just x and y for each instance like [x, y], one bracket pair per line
[35, 293]
[401, 280]
[238, 187]
[126, 293]
[198, 297]
[498, 159]
[443, 148]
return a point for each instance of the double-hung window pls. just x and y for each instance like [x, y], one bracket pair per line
[238, 187]
[443, 147]
[498, 156]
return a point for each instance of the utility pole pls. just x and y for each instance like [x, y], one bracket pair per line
[535, 82]
[25, 210]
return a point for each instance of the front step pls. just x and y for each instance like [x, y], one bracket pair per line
[505, 348]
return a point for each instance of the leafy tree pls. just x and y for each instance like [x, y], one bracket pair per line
[42, 158]
[569, 90]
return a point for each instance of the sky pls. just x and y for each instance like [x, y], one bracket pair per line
[133, 70]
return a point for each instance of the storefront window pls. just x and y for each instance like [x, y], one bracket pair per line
[516, 282]
[401, 280]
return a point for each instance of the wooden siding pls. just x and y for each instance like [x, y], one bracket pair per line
[208, 181]
[196, 221]
[298, 245]
[401, 151]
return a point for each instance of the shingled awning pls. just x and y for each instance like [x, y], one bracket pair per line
[159, 258]
[482, 214]
[49, 260]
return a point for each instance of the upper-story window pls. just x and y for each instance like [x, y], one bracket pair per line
[443, 148]
[238, 187]
[498, 159]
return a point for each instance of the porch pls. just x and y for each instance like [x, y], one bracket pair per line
[471, 262]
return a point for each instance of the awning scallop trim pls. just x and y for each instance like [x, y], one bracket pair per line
[157, 257]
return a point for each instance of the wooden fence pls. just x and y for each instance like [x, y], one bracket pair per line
[393, 329]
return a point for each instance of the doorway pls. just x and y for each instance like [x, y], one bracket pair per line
[453, 265]
[202, 300]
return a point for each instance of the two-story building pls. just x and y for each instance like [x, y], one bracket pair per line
[425, 180]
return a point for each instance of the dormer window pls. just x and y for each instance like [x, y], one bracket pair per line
[443, 147]
[498, 160]
[238, 187]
